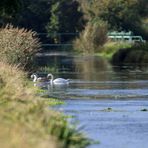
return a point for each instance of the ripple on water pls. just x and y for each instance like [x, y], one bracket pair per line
[124, 126]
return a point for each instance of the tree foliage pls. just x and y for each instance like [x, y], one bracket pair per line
[8, 9]
[34, 15]
[65, 17]
[120, 14]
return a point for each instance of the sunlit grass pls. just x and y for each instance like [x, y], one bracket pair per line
[25, 118]
[110, 48]
[47, 99]
[53, 101]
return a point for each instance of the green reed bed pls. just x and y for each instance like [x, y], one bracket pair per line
[25, 118]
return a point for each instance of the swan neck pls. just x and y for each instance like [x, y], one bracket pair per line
[35, 78]
[51, 81]
[51, 78]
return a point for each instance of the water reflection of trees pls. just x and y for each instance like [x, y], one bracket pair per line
[92, 68]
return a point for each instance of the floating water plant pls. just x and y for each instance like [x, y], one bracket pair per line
[144, 110]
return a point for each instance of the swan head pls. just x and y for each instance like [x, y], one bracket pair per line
[50, 76]
[34, 77]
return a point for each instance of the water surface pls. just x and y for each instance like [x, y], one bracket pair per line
[109, 102]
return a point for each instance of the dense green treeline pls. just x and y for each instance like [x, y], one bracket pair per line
[44, 15]
[75, 16]
[53, 16]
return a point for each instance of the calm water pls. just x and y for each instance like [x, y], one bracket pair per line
[106, 100]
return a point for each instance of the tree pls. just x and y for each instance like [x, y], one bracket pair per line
[34, 15]
[65, 17]
[8, 8]
[143, 8]
[120, 14]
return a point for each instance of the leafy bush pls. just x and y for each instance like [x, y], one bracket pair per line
[18, 46]
[92, 38]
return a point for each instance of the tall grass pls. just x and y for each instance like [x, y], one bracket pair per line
[18, 46]
[25, 119]
[92, 38]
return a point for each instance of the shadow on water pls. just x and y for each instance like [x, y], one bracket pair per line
[110, 102]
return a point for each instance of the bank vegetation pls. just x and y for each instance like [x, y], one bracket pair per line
[27, 120]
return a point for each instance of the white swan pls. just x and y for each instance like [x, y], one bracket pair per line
[34, 77]
[57, 81]
[39, 81]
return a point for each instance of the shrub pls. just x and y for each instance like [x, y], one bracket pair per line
[94, 36]
[18, 46]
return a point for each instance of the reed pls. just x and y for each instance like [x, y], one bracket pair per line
[18, 46]
[92, 38]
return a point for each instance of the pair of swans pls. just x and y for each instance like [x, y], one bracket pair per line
[49, 80]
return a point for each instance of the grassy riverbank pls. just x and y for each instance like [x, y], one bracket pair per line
[27, 121]
[110, 48]
[137, 55]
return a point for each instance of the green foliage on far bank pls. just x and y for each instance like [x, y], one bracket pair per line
[110, 48]
[137, 55]
[72, 16]
[119, 14]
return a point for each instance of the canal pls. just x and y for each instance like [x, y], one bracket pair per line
[109, 103]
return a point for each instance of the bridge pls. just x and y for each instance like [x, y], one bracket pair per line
[63, 39]
[125, 36]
